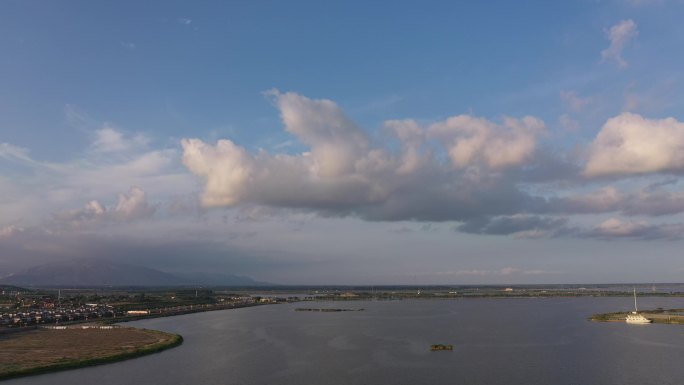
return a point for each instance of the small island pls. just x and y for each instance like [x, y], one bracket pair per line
[662, 316]
[60, 348]
[439, 347]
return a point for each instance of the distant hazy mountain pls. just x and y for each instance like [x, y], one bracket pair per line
[98, 272]
[8, 288]
[218, 279]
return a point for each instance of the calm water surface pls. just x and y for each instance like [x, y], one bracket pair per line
[496, 341]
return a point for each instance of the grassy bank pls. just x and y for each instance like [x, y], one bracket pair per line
[42, 351]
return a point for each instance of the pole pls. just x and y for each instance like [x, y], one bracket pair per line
[635, 305]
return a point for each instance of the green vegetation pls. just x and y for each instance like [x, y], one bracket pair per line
[609, 317]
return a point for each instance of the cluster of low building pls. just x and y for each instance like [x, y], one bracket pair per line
[56, 315]
[21, 310]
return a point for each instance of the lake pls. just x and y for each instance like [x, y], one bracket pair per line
[496, 341]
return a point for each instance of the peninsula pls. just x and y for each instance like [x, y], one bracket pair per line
[60, 348]
[662, 316]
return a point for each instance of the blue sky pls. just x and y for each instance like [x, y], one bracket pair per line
[346, 142]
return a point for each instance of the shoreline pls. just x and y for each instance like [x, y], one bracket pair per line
[659, 316]
[197, 309]
[662, 316]
[171, 340]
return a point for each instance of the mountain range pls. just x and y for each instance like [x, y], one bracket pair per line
[88, 272]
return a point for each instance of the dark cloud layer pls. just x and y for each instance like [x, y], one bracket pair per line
[33, 247]
[525, 225]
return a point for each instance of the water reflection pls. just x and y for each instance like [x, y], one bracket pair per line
[496, 341]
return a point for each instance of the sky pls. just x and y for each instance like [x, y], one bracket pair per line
[349, 142]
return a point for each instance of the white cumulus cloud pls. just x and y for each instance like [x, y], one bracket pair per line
[631, 144]
[619, 35]
[131, 205]
[472, 140]
[226, 167]
[336, 142]
[345, 172]
[109, 139]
